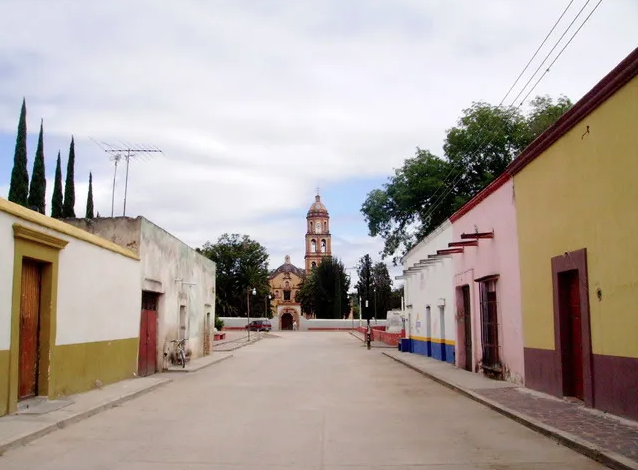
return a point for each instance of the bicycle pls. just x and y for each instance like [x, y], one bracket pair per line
[180, 355]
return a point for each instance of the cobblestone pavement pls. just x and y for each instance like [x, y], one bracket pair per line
[604, 431]
[298, 401]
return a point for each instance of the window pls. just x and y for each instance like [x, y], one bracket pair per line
[489, 325]
[313, 265]
[323, 246]
[286, 295]
[313, 246]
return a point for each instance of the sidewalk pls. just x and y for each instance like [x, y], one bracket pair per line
[374, 344]
[237, 342]
[201, 362]
[46, 416]
[602, 437]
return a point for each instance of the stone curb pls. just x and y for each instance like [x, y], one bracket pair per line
[610, 459]
[48, 429]
[185, 371]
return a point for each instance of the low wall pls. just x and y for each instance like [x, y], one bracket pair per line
[239, 323]
[383, 336]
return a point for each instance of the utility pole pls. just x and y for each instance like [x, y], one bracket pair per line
[126, 152]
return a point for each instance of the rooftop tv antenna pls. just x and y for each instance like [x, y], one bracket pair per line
[126, 152]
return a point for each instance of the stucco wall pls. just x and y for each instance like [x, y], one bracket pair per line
[581, 193]
[431, 286]
[497, 212]
[95, 326]
[185, 278]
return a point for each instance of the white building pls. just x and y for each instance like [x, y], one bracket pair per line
[428, 276]
[178, 285]
[69, 308]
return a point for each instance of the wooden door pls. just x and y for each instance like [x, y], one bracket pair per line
[29, 329]
[147, 355]
[468, 327]
[571, 335]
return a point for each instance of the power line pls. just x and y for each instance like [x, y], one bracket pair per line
[448, 190]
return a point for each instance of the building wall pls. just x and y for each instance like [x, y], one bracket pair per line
[166, 262]
[90, 307]
[581, 193]
[499, 255]
[185, 278]
[431, 286]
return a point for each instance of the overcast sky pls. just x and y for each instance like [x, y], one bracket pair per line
[255, 103]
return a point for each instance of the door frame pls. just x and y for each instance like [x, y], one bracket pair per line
[570, 261]
[43, 248]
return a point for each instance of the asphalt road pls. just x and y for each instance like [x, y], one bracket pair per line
[298, 400]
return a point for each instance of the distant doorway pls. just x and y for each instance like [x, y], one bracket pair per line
[147, 354]
[467, 326]
[29, 329]
[286, 321]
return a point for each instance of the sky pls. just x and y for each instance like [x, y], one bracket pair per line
[255, 103]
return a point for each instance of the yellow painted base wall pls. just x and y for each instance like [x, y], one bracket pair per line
[582, 193]
[76, 367]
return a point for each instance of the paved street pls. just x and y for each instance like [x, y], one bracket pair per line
[298, 401]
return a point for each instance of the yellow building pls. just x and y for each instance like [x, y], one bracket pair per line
[576, 198]
[287, 278]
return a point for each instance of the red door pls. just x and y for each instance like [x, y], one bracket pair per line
[571, 335]
[147, 356]
[29, 329]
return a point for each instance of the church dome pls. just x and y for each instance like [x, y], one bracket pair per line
[288, 267]
[317, 207]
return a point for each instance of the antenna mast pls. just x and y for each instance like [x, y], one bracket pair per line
[126, 152]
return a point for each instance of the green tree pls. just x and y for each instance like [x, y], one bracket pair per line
[19, 186]
[56, 200]
[89, 199]
[68, 206]
[365, 286]
[395, 298]
[38, 188]
[324, 291]
[242, 265]
[426, 190]
[382, 289]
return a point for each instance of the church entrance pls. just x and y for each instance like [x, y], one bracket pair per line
[286, 321]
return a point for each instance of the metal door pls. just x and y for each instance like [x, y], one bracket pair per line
[147, 356]
[468, 327]
[29, 329]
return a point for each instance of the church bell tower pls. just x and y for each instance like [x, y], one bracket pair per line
[318, 241]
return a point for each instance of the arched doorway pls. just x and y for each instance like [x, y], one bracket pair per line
[286, 321]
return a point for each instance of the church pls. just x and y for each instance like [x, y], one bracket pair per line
[286, 279]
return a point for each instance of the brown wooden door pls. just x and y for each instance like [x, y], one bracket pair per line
[29, 329]
[571, 335]
[467, 316]
[147, 355]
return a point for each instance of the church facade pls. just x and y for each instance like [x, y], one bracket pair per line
[286, 280]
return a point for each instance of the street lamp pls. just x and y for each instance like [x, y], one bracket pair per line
[254, 292]
[375, 305]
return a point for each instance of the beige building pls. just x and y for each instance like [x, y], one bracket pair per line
[287, 278]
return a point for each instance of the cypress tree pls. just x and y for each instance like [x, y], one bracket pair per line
[19, 186]
[68, 206]
[38, 188]
[89, 199]
[56, 200]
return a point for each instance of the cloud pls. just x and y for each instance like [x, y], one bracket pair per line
[255, 103]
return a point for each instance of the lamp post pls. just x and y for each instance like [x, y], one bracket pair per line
[375, 305]
[254, 292]
[266, 299]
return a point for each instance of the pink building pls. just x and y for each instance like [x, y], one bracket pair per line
[487, 283]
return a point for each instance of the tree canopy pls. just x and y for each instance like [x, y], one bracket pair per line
[19, 185]
[428, 189]
[324, 291]
[374, 285]
[38, 187]
[242, 264]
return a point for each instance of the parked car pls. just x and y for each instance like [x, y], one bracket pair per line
[259, 325]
